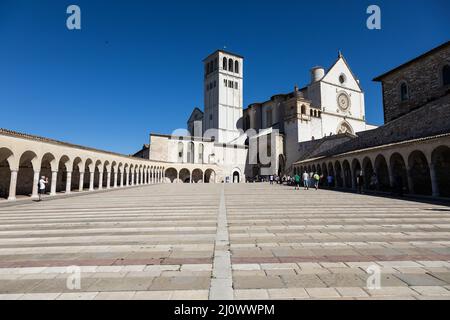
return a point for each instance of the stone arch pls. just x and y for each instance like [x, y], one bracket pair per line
[440, 158]
[419, 173]
[126, 174]
[197, 176]
[89, 170]
[340, 182]
[382, 171]
[210, 176]
[6, 165]
[26, 180]
[64, 167]
[106, 169]
[347, 174]
[236, 176]
[356, 170]
[120, 174]
[172, 175]
[185, 175]
[344, 127]
[98, 174]
[368, 172]
[330, 170]
[399, 173]
[77, 168]
[49, 165]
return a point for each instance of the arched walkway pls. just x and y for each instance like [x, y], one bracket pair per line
[26, 178]
[382, 172]
[171, 175]
[419, 173]
[185, 176]
[197, 176]
[347, 174]
[210, 176]
[441, 163]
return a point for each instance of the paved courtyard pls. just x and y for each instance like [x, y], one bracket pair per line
[247, 241]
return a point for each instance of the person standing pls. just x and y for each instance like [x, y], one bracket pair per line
[305, 181]
[330, 180]
[271, 179]
[297, 181]
[316, 179]
[42, 184]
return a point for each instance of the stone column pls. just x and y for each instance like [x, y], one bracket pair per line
[191, 179]
[178, 177]
[54, 182]
[132, 178]
[81, 186]
[91, 181]
[100, 180]
[121, 179]
[13, 185]
[434, 182]
[108, 180]
[115, 179]
[69, 182]
[163, 176]
[34, 194]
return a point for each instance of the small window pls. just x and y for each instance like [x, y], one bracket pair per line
[311, 112]
[236, 66]
[215, 63]
[446, 75]
[303, 110]
[225, 82]
[230, 65]
[342, 78]
[403, 92]
[225, 63]
[236, 85]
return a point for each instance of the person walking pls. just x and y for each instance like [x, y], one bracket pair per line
[316, 179]
[305, 181]
[271, 179]
[42, 184]
[297, 182]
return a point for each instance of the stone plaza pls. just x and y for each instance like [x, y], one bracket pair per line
[224, 241]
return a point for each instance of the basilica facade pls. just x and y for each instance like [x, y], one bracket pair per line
[224, 131]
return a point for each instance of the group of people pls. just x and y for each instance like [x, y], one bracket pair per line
[310, 180]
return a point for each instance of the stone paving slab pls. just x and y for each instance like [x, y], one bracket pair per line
[255, 241]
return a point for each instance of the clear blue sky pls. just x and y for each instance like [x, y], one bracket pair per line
[136, 66]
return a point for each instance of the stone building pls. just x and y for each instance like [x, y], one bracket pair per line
[412, 149]
[332, 103]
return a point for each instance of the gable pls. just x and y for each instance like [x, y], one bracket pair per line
[341, 68]
[196, 115]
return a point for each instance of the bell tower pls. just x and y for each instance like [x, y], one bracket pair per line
[223, 95]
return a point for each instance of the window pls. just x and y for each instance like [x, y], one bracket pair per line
[224, 63]
[404, 92]
[236, 66]
[342, 78]
[215, 63]
[211, 66]
[311, 112]
[230, 84]
[446, 75]
[230, 65]
[235, 85]
[225, 82]
[303, 110]
[180, 152]
[201, 148]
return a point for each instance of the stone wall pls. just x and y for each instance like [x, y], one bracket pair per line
[423, 79]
